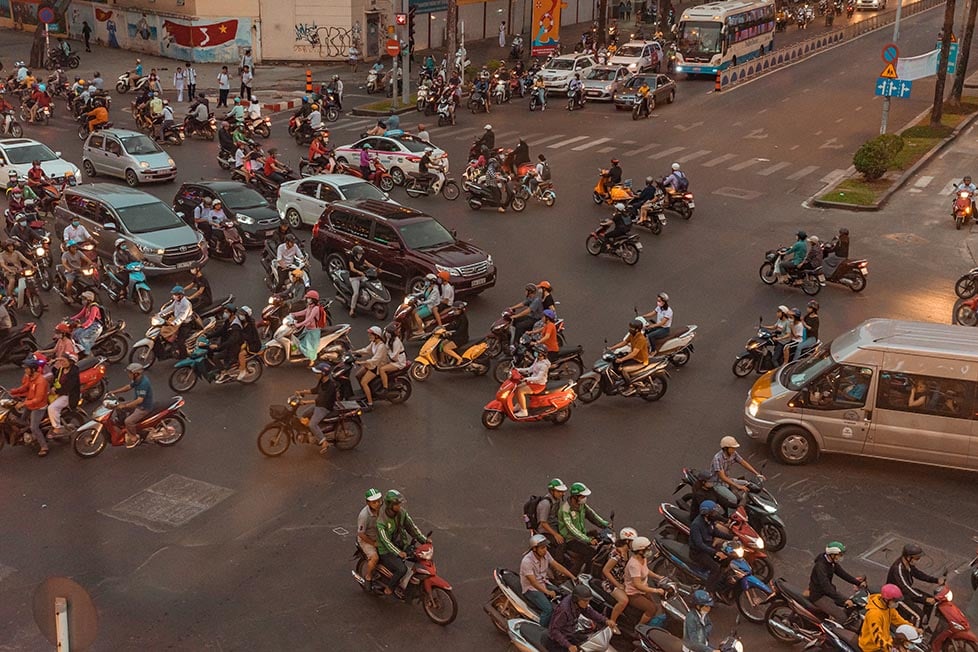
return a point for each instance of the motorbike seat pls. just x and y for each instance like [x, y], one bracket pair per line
[343, 276]
[677, 549]
[535, 635]
[680, 515]
[511, 580]
[329, 330]
[799, 597]
[87, 363]
[660, 637]
[569, 351]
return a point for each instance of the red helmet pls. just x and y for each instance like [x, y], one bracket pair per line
[311, 294]
[891, 592]
[62, 328]
[544, 284]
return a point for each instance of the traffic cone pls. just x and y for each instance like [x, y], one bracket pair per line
[716, 86]
[309, 81]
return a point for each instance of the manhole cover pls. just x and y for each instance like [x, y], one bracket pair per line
[171, 502]
[736, 193]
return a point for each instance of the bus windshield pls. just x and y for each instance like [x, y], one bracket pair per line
[699, 39]
[796, 375]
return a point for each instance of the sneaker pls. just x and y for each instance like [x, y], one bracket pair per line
[521, 414]
[323, 446]
[131, 441]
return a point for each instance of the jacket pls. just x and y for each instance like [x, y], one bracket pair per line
[573, 523]
[820, 582]
[903, 576]
[696, 632]
[394, 531]
[879, 620]
[701, 535]
[68, 383]
[37, 393]
[563, 622]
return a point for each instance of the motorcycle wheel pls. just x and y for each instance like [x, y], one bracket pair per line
[332, 114]
[144, 355]
[743, 366]
[412, 190]
[958, 645]
[774, 537]
[518, 204]
[958, 222]
[549, 198]
[174, 139]
[680, 359]
[348, 435]
[89, 442]
[656, 226]
[263, 130]
[73, 61]
[273, 440]
[629, 253]
[499, 602]
[95, 393]
[589, 390]
[784, 616]
[593, 245]
[114, 350]
[502, 370]
[568, 370]
[450, 191]
[762, 568]
[750, 603]
[144, 301]
[379, 311]
[635, 113]
[657, 389]
[399, 391]
[183, 379]
[766, 272]
[179, 426]
[386, 183]
[474, 204]
[36, 305]
[966, 286]
[419, 372]
[16, 130]
[561, 416]
[83, 132]
[858, 282]
[226, 165]
[274, 356]
[598, 199]
[685, 211]
[492, 419]
[811, 286]
[238, 254]
[440, 606]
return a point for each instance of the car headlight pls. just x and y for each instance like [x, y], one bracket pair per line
[453, 271]
[489, 259]
[632, 66]
[150, 250]
[244, 219]
[608, 88]
[753, 407]
[170, 161]
[143, 164]
[679, 68]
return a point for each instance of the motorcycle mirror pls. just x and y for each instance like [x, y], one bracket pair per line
[58, 154]
[611, 516]
[760, 320]
[635, 308]
[110, 226]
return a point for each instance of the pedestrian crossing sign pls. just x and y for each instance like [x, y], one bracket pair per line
[889, 72]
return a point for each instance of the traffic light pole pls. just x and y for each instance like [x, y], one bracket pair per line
[405, 72]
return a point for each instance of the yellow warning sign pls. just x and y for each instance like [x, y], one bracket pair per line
[889, 72]
[954, 39]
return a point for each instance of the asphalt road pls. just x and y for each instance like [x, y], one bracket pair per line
[258, 557]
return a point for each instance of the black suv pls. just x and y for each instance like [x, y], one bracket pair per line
[403, 243]
[252, 213]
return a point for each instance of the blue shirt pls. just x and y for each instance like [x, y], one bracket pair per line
[144, 390]
[797, 252]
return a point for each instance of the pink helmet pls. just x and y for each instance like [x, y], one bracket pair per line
[891, 592]
[312, 294]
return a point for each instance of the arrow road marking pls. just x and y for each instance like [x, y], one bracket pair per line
[687, 128]
[831, 143]
[756, 134]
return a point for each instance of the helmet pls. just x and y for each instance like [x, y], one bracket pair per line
[315, 107]
[813, 239]
[581, 592]
[119, 242]
[843, 231]
[796, 313]
[912, 550]
[675, 167]
[891, 592]
[177, 289]
[557, 484]
[487, 127]
[728, 442]
[305, 99]
[297, 274]
[541, 349]
[619, 206]
[311, 294]
[88, 294]
[538, 540]
[372, 495]
[544, 285]
[31, 362]
[801, 235]
[429, 150]
[246, 310]
[393, 496]
[237, 100]
[366, 146]
[663, 296]
[134, 368]
[550, 314]
[321, 368]
[42, 87]
[16, 191]
[635, 324]
[579, 489]
[813, 304]
[430, 277]
[702, 599]
[708, 507]
[443, 275]
[357, 250]
[627, 534]
[391, 328]
[376, 330]
[254, 99]
[909, 632]
[704, 475]
[530, 287]
[290, 237]
[62, 328]
[784, 310]
[217, 202]
[640, 543]
[835, 548]
[166, 102]
[614, 161]
[72, 243]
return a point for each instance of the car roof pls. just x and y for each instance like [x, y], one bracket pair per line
[217, 185]
[18, 142]
[118, 196]
[121, 132]
[609, 67]
[382, 209]
[335, 179]
[642, 43]
[573, 56]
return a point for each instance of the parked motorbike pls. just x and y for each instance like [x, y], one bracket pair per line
[374, 299]
[200, 364]
[283, 346]
[758, 355]
[135, 290]
[225, 243]
[606, 378]
[164, 426]
[431, 357]
[771, 272]
[550, 405]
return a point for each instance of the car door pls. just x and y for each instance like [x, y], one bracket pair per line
[386, 253]
[114, 161]
[187, 201]
[661, 89]
[839, 408]
[98, 216]
[95, 151]
[304, 198]
[386, 152]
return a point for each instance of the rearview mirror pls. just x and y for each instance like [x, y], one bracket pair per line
[58, 154]
[110, 226]
[454, 233]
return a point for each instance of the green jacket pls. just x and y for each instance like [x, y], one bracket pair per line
[572, 523]
[396, 531]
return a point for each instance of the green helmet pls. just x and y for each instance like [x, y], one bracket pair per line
[835, 548]
[393, 496]
[557, 484]
[579, 489]
[372, 495]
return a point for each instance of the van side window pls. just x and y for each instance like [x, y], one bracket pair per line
[843, 387]
[943, 397]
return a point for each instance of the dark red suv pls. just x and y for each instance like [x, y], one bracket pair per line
[404, 243]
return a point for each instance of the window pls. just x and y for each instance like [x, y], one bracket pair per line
[103, 215]
[28, 153]
[112, 146]
[151, 217]
[350, 224]
[843, 387]
[96, 142]
[141, 144]
[386, 146]
[189, 195]
[943, 397]
[77, 205]
[385, 235]
[307, 188]
[328, 193]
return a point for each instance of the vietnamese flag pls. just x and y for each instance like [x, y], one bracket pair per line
[202, 36]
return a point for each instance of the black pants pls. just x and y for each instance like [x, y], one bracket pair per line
[582, 552]
[222, 97]
[396, 566]
[616, 232]
[245, 93]
[707, 561]
[277, 177]
[192, 90]
[522, 325]
[88, 46]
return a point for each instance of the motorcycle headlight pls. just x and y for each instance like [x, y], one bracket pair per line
[88, 271]
[39, 251]
[244, 219]
[759, 543]
[950, 598]
[738, 646]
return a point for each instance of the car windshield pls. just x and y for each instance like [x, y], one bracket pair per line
[426, 234]
[560, 64]
[363, 190]
[601, 74]
[24, 155]
[239, 198]
[699, 39]
[146, 218]
[413, 144]
[798, 374]
[636, 82]
[140, 144]
[631, 51]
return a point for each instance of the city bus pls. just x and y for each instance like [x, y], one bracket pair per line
[717, 35]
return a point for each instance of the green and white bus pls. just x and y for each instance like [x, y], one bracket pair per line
[717, 35]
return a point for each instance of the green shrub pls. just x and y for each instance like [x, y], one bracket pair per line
[891, 144]
[873, 158]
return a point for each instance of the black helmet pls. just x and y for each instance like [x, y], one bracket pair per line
[801, 235]
[912, 550]
[796, 313]
[813, 304]
[530, 287]
[357, 250]
[704, 475]
[581, 592]
[635, 324]
[843, 231]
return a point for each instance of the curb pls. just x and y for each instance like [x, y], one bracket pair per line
[283, 105]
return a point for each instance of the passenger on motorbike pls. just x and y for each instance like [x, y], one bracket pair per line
[75, 262]
[821, 589]
[637, 357]
[786, 336]
[396, 357]
[794, 256]
[395, 529]
[534, 569]
[564, 631]
[530, 311]
[704, 489]
[373, 356]
[661, 318]
[534, 378]
[35, 400]
[723, 462]
[66, 387]
[637, 575]
[645, 199]
[225, 138]
[487, 141]
[200, 116]
[89, 320]
[810, 322]
[319, 149]
[881, 617]
[702, 550]
[309, 322]
[13, 264]
[904, 571]
[613, 573]
[546, 334]
[367, 532]
[813, 258]
[788, 343]
[430, 297]
[547, 509]
[572, 518]
[39, 100]
[446, 294]
[181, 310]
[676, 182]
[697, 626]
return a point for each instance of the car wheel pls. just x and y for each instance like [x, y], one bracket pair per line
[671, 98]
[397, 174]
[416, 284]
[89, 168]
[342, 161]
[335, 263]
[293, 218]
[794, 446]
[131, 178]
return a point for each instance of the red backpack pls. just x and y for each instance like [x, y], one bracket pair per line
[323, 320]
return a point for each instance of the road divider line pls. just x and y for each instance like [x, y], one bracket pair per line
[804, 172]
[605, 150]
[581, 148]
[575, 139]
[666, 152]
[718, 160]
[766, 172]
[463, 134]
[695, 155]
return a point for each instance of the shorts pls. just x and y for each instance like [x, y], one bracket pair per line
[424, 311]
[70, 276]
[369, 550]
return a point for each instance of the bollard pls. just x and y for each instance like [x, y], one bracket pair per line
[309, 81]
[716, 86]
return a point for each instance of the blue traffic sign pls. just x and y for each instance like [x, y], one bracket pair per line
[893, 87]
[952, 57]
[890, 53]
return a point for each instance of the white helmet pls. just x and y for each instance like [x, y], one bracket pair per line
[729, 442]
[627, 534]
[487, 127]
[619, 206]
[538, 540]
[813, 239]
[640, 543]
[675, 166]
[910, 633]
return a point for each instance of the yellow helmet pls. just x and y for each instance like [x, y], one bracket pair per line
[315, 107]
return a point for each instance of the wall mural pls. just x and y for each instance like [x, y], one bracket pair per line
[324, 40]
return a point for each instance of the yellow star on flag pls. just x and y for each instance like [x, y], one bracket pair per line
[224, 29]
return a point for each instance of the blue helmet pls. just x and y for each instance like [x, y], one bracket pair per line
[550, 314]
[708, 506]
[177, 289]
[42, 87]
[702, 599]
[72, 243]
[321, 368]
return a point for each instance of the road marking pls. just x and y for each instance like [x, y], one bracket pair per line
[646, 148]
[6, 571]
[695, 155]
[858, 108]
[718, 160]
[171, 502]
[737, 193]
[833, 176]
[575, 139]
[756, 134]
[794, 147]
[743, 165]
[593, 143]
[463, 134]
[507, 134]
[666, 152]
[541, 141]
[804, 172]
[766, 172]
[605, 150]
[923, 181]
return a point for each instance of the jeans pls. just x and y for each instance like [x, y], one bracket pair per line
[132, 421]
[707, 562]
[85, 337]
[36, 417]
[54, 410]
[522, 325]
[542, 603]
[395, 565]
[657, 333]
[222, 99]
[806, 344]
[318, 414]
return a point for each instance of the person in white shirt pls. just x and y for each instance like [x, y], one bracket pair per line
[254, 109]
[661, 318]
[246, 79]
[396, 357]
[534, 379]
[191, 75]
[181, 310]
[179, 79]
[75, 231]
[446, 295]
[423, 133]
[376, 356]
[223, 87]
[285, 257]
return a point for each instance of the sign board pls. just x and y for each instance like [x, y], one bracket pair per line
[428, 6]
[890, 53]
[400, 19]
[893, 88]
[393, 47]
[889, 72]
[952, 56]
[45, 15]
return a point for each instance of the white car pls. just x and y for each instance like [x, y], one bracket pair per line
[19, 153]
[399, 154]
[638, 56]
[302, 202]
[558, 72]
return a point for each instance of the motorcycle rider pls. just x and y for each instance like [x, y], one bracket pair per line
[661, 318]
[575, 89]
[904, 571]
[181, 310]
[36, 175]
[540, 89]
[614, 174]
[534, 378]
[547, 508]
[396, 357]
[645, 199]
[637, 357]
[643, 94]
[572, 517]
[236, 114]
[89, 320]
[563, 628]
[704, 489]
[702, 533]
[821, 589]
[367, 532]
[6, 114]
[165, 121]
[76, 231]
[285, 257]
[697, 625]
[22, 231]
[142, 403]
[835, 252]
[373, 356]
[272, 169]
[446, 294]
[66, 385]
[813, 258]
[530, 312]
[487, 142]
[810, 322]
[122, 256]
[75, 262]
[325, 392]
[965, 186]
[97, 116]
[881, 617]
[395, 529]
[676, 182]
[199, 115]
[319, 150]
[225, 139]
[789, 342]
[533, 577]
[39, 100]
[35, 392]
[724, 460]
[13, 264]
[357, 267]
[794, 256]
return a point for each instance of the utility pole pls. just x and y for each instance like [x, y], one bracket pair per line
[963, 50]
[937, 111]
[896, 35]
[451, 36]
[406, 56]
[602, 21]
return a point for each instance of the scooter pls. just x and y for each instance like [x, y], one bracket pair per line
[417, 186]
[656, 639]
[374, 298]
[19, 344]
[87, 279]
[445, 115]
[153, 347]
[200, 365]
[431, 357]
[262, 126]
[675, 604]
[283, 347]
[9, 125]
[129, 82]
[164, 426]
[567, 363]
[493, 194]
[678, 348]
[91, 376]
[792, 618]
[544, 191]
[576, 99]
[550, 405]
[507, 602]
[375, 82]
[27, 294]
[43, 115]
[758, 355]
[640, 108]
[225, 243]
[15, 428]
[398, 390]
[290, 425]
[453, 319]
[606, 378]
[945, 622]
[771, 273]
[528, 636]
[850, 272]
[205, 131]
[136, 290]
[681, 203]
[605, 193]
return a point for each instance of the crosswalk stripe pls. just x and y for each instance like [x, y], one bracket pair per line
[540, 141]
[695, 155]
[804, 172]
[507, 134]
[605, 150]
[666, 152]
[568, 141]
[743, 165]
[766, 172]
[718, 160]
[923, 181]
[463, 134]
[832, 176]
[581, 148]
[639, 150]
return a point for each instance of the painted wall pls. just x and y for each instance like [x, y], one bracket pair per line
[308, 29]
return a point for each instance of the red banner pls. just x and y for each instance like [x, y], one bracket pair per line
[201, 36]
[101, 15]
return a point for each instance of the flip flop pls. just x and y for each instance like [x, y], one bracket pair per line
[42, 452]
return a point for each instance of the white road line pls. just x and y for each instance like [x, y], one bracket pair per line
[464, 134]
[743, 165]
[568, 141]
[804, 172]
[689, 157]
[541, 141]
[834, 175]
[718, 160]
[666, 152]
[766, 172]
[581, 148]
[923, 181]
[605, 150]
[507, 134]
[639, 150]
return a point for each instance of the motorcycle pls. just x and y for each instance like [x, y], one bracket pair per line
[431, 357]
[627, 246]
[172, 134]
[656, 639]
[536, 102]
[276, 277]
[15, 423]
[850, 10]
[792, 618]
[398, 390]
[500, 90]
[374, 298]
[477, 102]
[200, 364]
[43, 115]
[576, 100]
[380, 177]
[611, 194]
[605, 377]
[276, 308]
[87, 279]
[290, 424]
[967, 284]
[418, 187]
[492, 194]
[944, 622]
[850, 273]
[164, 426]
[771, 273]
[225, 243]
[507, 602]
[375, 83]
[550, 405]
[681, 203]
[205, 131]
[18, 344]
[9, 125]
[453, 319]
[678, 348]
[262, 126]
[423, 98]
[529, 636]
[128, 81]
[421, 583]
[40, 253]
[135, 290]
[283, 346]
[445, 115]
[640, 108]
[675, 604]
[305, 134]
[516, 51]
[758, 355]
[153, 346]
[566, 363]
[83, 127]
[544, 191]
[27, 294]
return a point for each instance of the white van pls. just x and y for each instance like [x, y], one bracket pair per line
[891, 389]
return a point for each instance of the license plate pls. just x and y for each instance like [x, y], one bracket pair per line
[638, 245]
[479, 281]
[863, 271]
[692, 205]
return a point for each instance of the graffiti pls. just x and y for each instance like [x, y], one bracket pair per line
[307, 32]
[324, 40]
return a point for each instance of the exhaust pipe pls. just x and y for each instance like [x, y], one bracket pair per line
[787, 631]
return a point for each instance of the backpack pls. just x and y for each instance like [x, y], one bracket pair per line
[323, 320]
[682, 183]
[530, 512]
[545, 172]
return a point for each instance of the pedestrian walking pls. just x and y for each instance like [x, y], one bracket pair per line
[621, 10]
[628, 9]
[502, 34]
[247, 61]
[246, 78]
[87, 35]
[191, 75]
[223, 87]
[179, 81]
[353, 57]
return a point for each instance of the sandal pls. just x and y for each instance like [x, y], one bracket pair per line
[42, 452]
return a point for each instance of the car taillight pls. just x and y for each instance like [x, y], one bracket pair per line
[413, 159]
[315, 230]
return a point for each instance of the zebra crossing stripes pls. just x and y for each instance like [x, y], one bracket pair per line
[666, 152]
[712, 163]
[804, 172]
[768, 171]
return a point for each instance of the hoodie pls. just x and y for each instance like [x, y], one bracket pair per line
[880, 619]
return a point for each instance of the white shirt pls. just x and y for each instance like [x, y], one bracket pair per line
[214, 216]
[425, 136]
[254, 111]
[222, 81]
[180, 309]
[315, 119]
[239, 158]
[396, 353]
[661, 314]
[191, 75]
[77, 233]
[284, 254]
[798, 331]
[246, 78]
[536, 373]
[178, 79]
[447, 293]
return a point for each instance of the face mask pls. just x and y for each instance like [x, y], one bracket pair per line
[75, 222]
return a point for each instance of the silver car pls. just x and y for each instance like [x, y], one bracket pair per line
[128, 155]
[604, 82]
